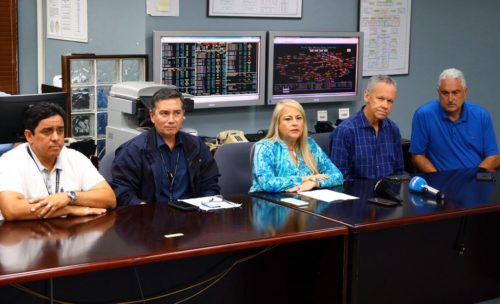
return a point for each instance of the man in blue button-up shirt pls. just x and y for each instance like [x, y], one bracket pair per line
[368, 144]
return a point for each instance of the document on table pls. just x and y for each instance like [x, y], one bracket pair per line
[328, 195]
[210, 203]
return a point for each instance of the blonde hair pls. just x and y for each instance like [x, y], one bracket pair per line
[273, 132]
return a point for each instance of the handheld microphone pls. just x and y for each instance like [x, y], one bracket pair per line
[420, 201]
[419, 184]
[383, 188]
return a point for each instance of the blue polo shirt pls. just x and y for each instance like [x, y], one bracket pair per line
[174, 163]
[358, 154]
[453, 145]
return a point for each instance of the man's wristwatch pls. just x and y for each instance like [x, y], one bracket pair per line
[72, 196]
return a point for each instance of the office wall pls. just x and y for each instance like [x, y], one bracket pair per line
[27, 46]
[446, 33]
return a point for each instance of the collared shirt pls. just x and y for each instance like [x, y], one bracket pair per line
[274, 171]
[19, 173]
[450, 145]
[359, 154]
[174, 166]
[51, 179]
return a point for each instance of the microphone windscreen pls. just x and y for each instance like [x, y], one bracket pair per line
[417, 184]
[384, 189]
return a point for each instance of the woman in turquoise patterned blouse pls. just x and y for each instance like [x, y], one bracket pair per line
[286, 159]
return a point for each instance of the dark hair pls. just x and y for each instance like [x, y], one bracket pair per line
[40, 111]
[166, 93]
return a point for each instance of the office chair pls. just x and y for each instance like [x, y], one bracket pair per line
[235, 166]
[408, 163]
[105, 165]
[323, 140]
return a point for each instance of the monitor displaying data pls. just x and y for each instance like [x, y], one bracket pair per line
[219, 69]
[314, 67]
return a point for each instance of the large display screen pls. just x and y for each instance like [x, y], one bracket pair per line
[314, 67]
[220, 69]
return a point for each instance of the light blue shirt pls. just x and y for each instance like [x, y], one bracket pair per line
[274, 171]
[5, 147]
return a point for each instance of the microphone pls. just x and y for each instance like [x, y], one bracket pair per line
[419, 200]
[419, 184]
[383, 188]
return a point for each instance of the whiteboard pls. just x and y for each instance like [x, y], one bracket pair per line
[256, 8]
[386, 27]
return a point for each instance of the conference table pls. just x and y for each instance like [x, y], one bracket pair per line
[259, 252]
[422, 251]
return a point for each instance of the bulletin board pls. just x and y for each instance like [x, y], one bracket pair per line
[386, 27]
[255, 8]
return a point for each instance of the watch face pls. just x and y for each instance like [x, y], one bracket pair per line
[72, 196]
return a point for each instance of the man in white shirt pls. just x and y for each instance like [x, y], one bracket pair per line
[44, 179]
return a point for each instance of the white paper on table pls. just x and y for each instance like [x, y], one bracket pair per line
[328, 195]
[210, 203]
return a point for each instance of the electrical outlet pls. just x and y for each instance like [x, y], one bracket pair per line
[343, 113]
[323, 115]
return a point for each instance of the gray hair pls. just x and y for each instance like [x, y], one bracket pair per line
[374, 80]
[452, 74]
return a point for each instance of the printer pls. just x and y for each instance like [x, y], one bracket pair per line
[128, 110]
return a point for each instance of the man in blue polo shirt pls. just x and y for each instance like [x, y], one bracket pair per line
[451, 133]
[368, 144]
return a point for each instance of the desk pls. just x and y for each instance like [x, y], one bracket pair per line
[134, 235]
[420, 252]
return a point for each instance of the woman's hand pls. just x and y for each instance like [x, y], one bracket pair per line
[293, 189]
[305, 186]
[314, 177]
[308, 185]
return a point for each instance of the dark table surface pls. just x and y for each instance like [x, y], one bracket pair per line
[464, 195]
[33, 250]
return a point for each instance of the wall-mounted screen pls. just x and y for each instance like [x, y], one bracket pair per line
[12, 110]
[315, 66]
[220, 69]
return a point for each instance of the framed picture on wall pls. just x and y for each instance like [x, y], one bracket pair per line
[242, 8]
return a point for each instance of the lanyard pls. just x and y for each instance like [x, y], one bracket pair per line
[58, 175]
[169, 174]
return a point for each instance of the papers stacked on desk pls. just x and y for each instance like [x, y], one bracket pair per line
[328, 195]
[210, 203]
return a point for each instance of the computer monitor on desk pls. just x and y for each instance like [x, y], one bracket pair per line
[12, 110]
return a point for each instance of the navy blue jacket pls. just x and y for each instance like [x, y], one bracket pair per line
[137, 169]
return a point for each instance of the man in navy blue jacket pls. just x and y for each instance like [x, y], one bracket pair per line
[164, 164]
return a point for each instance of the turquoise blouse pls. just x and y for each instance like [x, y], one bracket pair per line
[274, 171]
